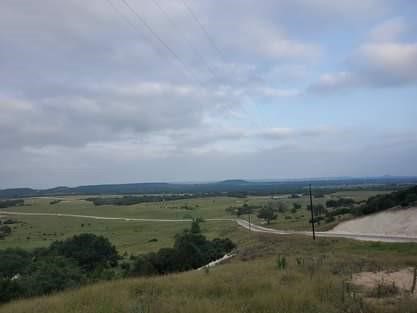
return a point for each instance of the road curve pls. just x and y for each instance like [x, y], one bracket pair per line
[240, 222]
[331, 234]
[126, 219]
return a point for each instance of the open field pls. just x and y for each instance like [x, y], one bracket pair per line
[316, 278]
[269, 274]
[138, 237]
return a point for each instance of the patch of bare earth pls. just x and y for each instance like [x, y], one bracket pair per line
[395, 222]
[386, 283]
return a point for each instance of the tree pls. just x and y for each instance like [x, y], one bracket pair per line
[195, 226]
[14, 261]
[268, 214]
[296, 206]
[51, 274]
[243, 210]
[88, 250]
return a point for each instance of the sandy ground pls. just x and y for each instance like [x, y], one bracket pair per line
[396, 222]
[403, 279]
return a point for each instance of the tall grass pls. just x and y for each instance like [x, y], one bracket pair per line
[255, 286]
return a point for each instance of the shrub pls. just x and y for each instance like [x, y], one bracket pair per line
[88, 250]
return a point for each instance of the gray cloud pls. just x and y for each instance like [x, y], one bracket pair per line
[86, 97]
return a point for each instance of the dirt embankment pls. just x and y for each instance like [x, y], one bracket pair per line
[396, 222]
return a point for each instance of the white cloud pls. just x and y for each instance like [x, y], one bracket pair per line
[389, 30]
[382, 61]
[334, 81]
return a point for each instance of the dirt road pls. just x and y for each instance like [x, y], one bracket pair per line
[356, 236]
[240, 222]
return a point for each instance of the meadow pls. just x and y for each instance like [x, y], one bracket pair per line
[315, 277]
[269, 273]
[133, 237]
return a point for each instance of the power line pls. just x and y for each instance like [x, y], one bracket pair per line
[210, 39]
[195, 51]
[155, 34]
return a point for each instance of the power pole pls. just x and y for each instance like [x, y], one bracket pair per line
[312, 214]
[249, 223]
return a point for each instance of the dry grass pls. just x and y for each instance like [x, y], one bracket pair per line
[315, 279]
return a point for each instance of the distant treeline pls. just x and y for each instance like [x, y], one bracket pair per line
[88, 258]
[239, 188]
[378, 203]
[10, 203]
[129, 200]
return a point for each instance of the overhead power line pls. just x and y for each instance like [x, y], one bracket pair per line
[195, 50]
[149, 28]
[204, 30]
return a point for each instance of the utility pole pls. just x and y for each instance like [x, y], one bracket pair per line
[312, 214]
[249, 223]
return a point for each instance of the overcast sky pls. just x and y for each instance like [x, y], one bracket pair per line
[278, 89]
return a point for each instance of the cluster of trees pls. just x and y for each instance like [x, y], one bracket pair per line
[10, 203]
[191, 250]
[64, 264]
[267, 212]
[5, 229]
[403, 198]
[379, 203]
[342, 202]
[88, 258]
[241, 210]
[129, 200]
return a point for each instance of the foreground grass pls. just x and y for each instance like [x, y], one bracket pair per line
[315, 279]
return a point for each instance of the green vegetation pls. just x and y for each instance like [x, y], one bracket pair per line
[129, 200]
[62, 265]
[191, 250]
[378, 203]
[340, 202]
[88, 258]
[270, 274]
[10, 203]
[268, 214]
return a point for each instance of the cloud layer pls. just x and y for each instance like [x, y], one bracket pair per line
[88, 94]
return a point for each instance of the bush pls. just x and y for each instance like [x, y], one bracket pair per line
[268, 214]
[191, 250]
[11, 203]
[340, 202]
[383, 202]
[14, 261]
[88, 250]
[51, 274]
[5, 230]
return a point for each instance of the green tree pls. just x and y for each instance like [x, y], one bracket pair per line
[268, 214]
[88, 250]
[296, 205]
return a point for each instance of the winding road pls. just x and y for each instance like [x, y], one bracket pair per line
[240, 222]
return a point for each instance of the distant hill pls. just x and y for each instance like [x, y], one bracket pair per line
[222, 187]
[233, 182]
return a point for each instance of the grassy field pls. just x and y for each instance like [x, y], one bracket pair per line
[139, 237]
[315, 279]
[315, 276]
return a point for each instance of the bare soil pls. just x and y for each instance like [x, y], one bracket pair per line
[396, 222]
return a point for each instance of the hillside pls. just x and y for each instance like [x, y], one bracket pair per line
[226, 186]
[270, 274]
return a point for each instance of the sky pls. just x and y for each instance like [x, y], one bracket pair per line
[118, 91]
